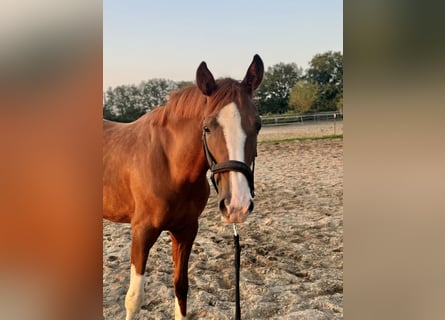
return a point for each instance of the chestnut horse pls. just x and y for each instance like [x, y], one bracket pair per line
[155, 170]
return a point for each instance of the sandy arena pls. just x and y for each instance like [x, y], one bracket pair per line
[292, 244]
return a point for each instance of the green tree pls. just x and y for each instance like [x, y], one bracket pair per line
[110, 101]
[123, 104]
[303, 95]
[340, 102]
[183, 84]
[273, 94]
[154, 92]
[327, 71]
[126, 103]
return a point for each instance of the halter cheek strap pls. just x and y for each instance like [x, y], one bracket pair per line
[230, 165]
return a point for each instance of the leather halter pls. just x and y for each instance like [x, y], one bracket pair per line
[230, 165]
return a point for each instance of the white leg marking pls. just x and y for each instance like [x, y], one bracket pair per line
[178, 314]
[229, 119]
[135, 293]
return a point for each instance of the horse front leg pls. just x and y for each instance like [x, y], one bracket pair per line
[143, 239]
[182, 242]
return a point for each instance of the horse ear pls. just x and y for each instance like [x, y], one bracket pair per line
[254, 74]
[204, 79]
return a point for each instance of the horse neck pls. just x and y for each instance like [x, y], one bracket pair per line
[184, 148]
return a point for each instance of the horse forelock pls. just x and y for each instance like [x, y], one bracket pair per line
[228, 91]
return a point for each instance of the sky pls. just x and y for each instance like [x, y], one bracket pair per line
[168, 39]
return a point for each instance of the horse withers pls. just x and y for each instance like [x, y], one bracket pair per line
[154, 174]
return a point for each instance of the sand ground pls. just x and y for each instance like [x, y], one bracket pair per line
[292, 244]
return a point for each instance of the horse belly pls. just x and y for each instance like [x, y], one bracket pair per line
[116, 212]
[117, 200]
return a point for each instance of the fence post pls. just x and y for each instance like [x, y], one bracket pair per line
[335, 122]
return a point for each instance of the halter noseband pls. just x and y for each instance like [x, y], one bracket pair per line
[230, 165]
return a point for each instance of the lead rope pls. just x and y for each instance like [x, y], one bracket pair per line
[237, 268]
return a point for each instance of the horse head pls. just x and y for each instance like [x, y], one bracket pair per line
[230, 129]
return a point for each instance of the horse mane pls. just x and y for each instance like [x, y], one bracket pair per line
[189, 102]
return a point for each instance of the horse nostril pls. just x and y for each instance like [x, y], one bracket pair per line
[222, 206]
[251, 206]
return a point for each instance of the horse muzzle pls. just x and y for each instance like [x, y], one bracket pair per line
[233, 211]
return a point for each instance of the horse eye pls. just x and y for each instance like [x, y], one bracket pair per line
[206, 129]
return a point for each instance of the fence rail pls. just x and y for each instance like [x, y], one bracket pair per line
[285, 119]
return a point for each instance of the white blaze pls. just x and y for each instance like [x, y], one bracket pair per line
[135, 293]
[229, 119]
